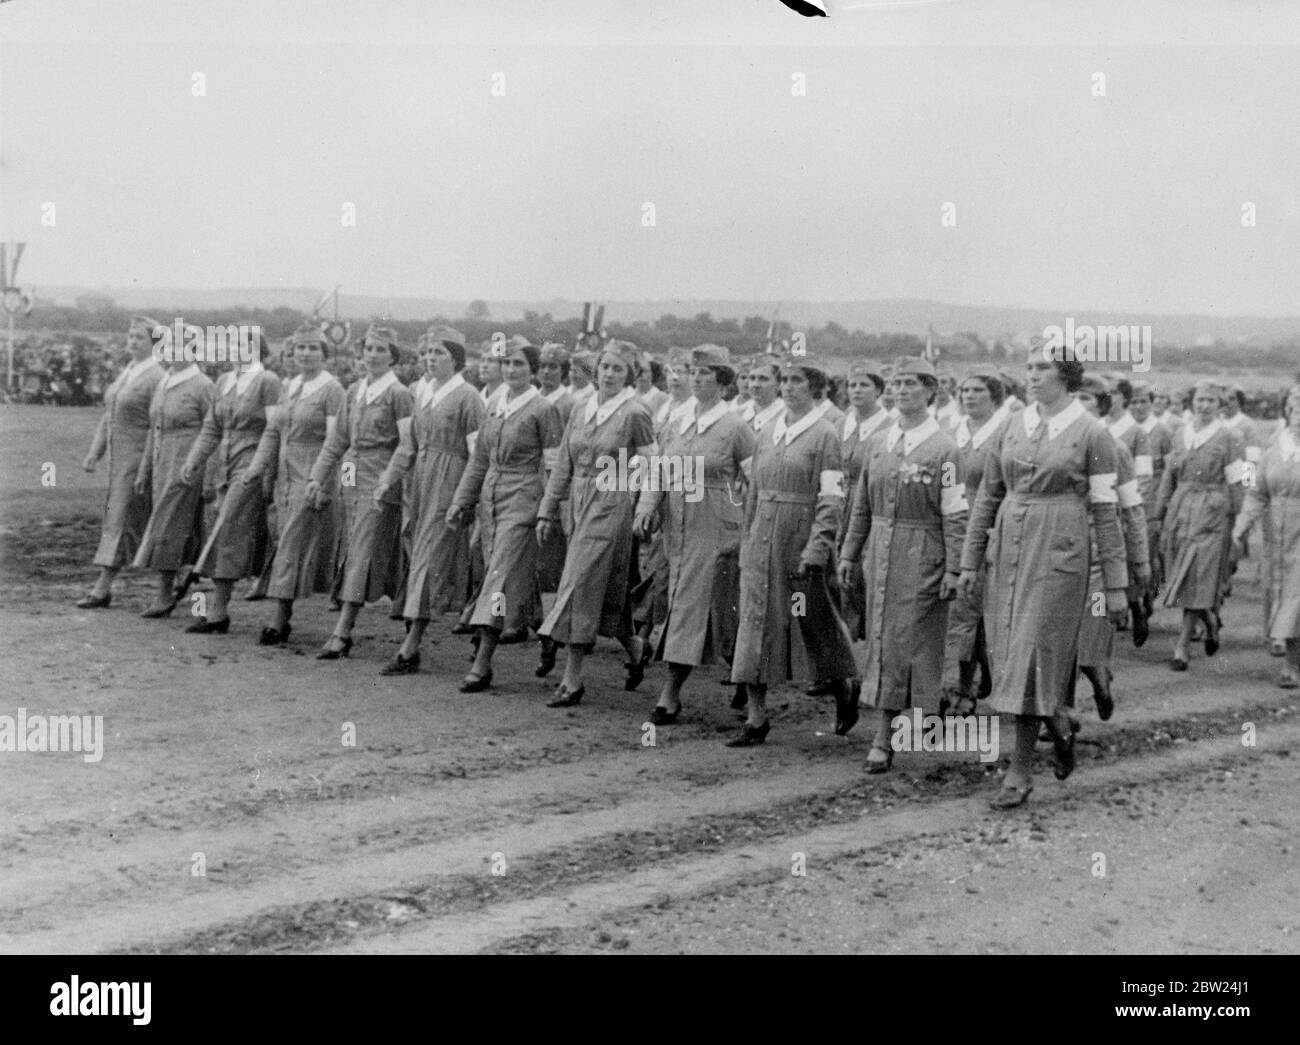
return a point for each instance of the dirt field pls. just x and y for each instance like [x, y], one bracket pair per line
[490, 823]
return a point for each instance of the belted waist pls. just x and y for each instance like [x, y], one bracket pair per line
[917, 524]
[1043, 498]
[1196, 484]
[502, 470]
[781, 497]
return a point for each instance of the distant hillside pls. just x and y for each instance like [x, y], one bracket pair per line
[904, 315]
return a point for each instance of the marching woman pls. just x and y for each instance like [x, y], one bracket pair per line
[174, 535]
[792, 513]
[1274, 493]
[1159, 444]
[122, 433]
[505, 480]
[236, 422]
[297, 430]
[1200, 495]
[431, 459]
[1052, 470]
[359, 449]
[765, 393]
[700, 531]
[977, 433]
[604, 436]
[910, 511]
[552, 372]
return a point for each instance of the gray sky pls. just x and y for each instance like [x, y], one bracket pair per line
[1131, 201]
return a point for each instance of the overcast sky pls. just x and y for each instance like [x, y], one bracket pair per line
[1131, 201]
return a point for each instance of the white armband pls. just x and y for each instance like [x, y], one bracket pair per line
[1128, 494]
[1253, 454]
[404, 429]
[1101, 488]
[471, 441]
[550, 458]
[952, 499]
[1237, 471]
[331, 423]
[832, 483]
[1143, 467]
[747, 466]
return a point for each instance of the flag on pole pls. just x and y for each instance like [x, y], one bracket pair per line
[931, 353]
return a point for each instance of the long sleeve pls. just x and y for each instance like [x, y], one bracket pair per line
[557, 486]
[1168, 484]
[1254, 505]
[408, 445]
[336, 445]
[1240, 470]
[953, 508]
[1143, 468]
[859, 519]
[471, 480]
[209, 438]
[820, 549]
[99, 445]
[266, 459]
[984, 513]
[1103, 461]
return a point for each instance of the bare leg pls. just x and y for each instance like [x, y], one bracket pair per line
[414, 636]
[1020, 774]
[573, 658]
[670, 697]
[488, 638]
[1185, 635]
[220, 600]
[283, 611]
[347, 620]
[104, 585]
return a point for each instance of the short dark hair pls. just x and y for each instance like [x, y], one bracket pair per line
[1124, 387]
[997, 391]
[1071, 371]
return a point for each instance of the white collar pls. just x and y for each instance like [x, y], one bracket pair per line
[581, 395]
[240, 380]
[682, 413]
[1148, 426]
[704, 420]
[865, 428]
[489, 400]
[554, 397]
[1192, 439]
[913, 437]
[442, 391]
[824, 408]
[774, 409]
[979, 438]
[946, 411]
[507, 407]
[372, 390]
[1287, 446]
[134, 370]
[298, 387]
[175, 377]
[424, 389]
[1125, 422]
[788, 432]
[1055, 425]
[746, 410]
[603, 412]
[1235, 421]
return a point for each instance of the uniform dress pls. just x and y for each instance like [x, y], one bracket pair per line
[506, 478]
[910, 511]
[1160, 441]
[1043, 483]
[122, 434]
[592, 598]
[792, 514]
[428, 463]
[421, 391]
[966, 642]
[358, 451]
[308, 537]
[853, 449]
[550, 559]
[174, 535]
[1274, 494]
[1133, 437]
[1096, 633]
[1199, 497]
[236, 422]
[701, 518]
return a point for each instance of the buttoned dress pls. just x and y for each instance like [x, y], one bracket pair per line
[966, 642]
[505, 480]
[1160, 442]
[592, 598]
[174, 534]
[1274, 494]
[431, 459]
[910, 511]
[122, 433]
[792, 514]
[701, 515]
[358, 451]
[1043, 484]
[308, 537]
[236, 423]
[550, 559]
[853, 451]
[1199, 498]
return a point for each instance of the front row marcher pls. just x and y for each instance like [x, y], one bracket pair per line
[1052, 476]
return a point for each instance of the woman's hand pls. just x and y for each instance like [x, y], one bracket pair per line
[88, 465]
[545, 527]
[1142, 575]
[1116, 605]
[844, 573]
[251, 477]
[315, 494]
[189, 474]
[643, 526]
[141, 483]
[967, 581]
[454, 515]
[948, 586]
[380, 492]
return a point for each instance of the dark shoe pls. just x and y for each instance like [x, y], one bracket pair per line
[203, 626]
[1064, 751]
[158, 610]
[1288, 680]
[820, 688]
[402, 665]
[1178, 664]
[476, 683]
[636, 669]
[95, 602]
[335, 605]
[565, 699]
[1045, 734]
[751, 735]
[274, 636]
[1101, 695]
[663, 717]
[740, 699]
[1211, 634]
[1141, 628]
[1010, 797]
[513, 637]
[965, 706]
[463, 628]
[546, 663]
[254, 596]
[876, 766]
[1276, 648]
[846, 706]
[333, 654]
